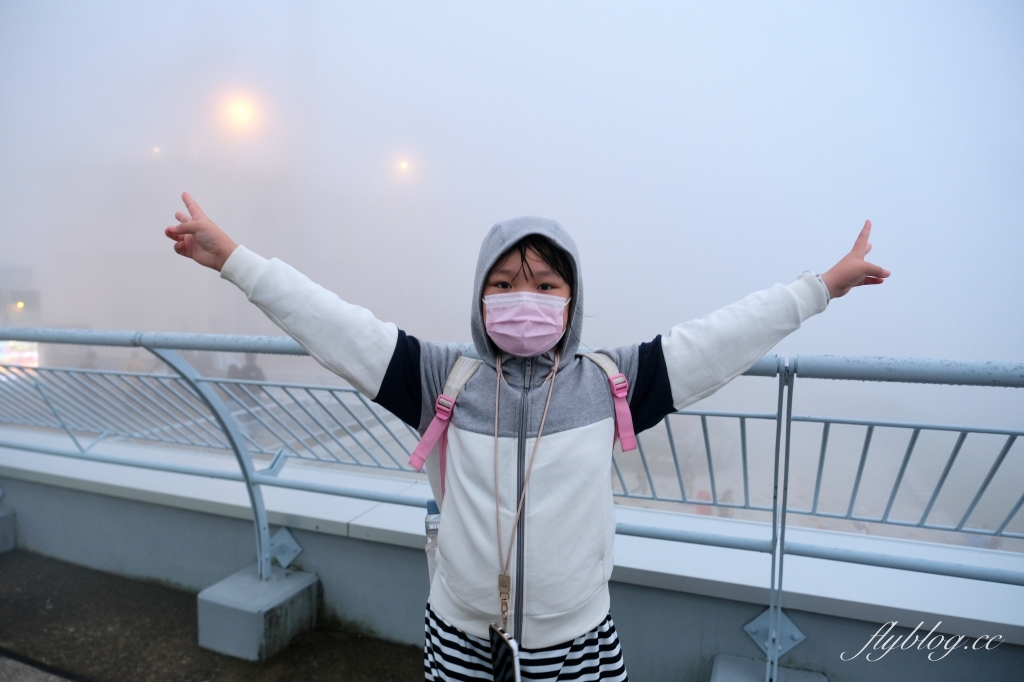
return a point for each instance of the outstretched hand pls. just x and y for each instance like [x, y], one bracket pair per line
[197, 237]
[853, 271]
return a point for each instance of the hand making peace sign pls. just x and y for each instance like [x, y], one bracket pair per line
[198, 238]
[853, 270]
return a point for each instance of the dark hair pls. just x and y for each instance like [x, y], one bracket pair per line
[553, 255]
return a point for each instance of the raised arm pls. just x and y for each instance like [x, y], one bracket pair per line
[344, 338]
[703, 355]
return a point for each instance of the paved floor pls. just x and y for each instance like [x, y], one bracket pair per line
[13, 671]
[95, 627]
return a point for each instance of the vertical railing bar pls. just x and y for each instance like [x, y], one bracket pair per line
[194, 429]
[10, 394]
[56, 414]
[167, 428]
[24, 386]
[115, 394]
[139, 415]
[294, 445]
[643, 460]
[860, 470]
[185, 396]
[743, 453]
[94, 404]
[341, 425]
[353, 435]
[711, 466]
[988, 479]
[77, 418]
[1009, 517]
[117, 403]
[675, 459]
[166, 397]
[899, 476]
[288, 391]
[372, 435]
[294, 418]
[163, 400]
[270, 413]
[942, 479]
[384, 423]
[821, 465]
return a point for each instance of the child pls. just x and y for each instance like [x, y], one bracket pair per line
[528, 519]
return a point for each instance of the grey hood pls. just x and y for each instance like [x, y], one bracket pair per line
[501, 237]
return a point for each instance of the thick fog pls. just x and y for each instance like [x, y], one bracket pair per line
[697, 153]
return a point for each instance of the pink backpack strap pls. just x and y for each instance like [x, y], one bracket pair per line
[437, 432]
[620, 389]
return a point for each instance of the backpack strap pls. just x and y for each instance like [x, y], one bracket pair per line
[437, 432]
[620, 387]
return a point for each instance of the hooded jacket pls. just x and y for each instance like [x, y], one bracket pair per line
[562, 556]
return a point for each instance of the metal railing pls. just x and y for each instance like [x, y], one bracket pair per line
[338, 425]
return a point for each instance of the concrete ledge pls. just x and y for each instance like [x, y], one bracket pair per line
[246, 617]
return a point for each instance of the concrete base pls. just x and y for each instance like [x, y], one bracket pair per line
[253, 619]
[736, 669]
[8, 532]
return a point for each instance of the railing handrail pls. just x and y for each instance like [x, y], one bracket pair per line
[910, 370]
[843, 367]
[225, 343]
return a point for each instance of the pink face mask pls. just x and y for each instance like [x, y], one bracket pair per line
[523, 323]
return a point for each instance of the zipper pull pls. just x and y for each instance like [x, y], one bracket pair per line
[504, 586]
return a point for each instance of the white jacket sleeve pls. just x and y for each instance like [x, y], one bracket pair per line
[344, 338]
[703, 355]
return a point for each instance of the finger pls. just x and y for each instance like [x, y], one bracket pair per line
[183, 217]
[192, 206]
[868, 250]
[182, 229]
[872, 270]
[861, 245]
[872, 280]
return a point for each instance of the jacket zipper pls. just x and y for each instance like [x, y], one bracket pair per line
[524, 406]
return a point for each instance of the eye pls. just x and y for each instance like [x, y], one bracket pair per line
[501, 285]
[545, 287]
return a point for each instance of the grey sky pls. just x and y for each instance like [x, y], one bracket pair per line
[697, 153]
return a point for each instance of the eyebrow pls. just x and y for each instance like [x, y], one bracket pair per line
[537, 272]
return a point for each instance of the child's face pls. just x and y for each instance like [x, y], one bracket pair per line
[512, 275]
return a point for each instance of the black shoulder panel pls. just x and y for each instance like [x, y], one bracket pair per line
[652, 394]
[400, 391]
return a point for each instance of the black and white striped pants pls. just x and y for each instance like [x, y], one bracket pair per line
[451, 655]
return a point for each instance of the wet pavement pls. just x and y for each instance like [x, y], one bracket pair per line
[69, 622]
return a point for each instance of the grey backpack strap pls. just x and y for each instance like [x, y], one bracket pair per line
[461, 373]
[603, 361]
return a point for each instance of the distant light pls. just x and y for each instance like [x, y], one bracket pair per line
[241, 112]
[403, 166]
[156, 150]
[19, 304]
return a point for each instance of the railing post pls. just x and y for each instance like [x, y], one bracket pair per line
[230, 428]
[773, 595]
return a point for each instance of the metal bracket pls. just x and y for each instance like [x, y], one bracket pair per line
[283, 547]
[788, 636]
[276, 464]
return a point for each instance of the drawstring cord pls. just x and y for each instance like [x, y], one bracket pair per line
[504, 581]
